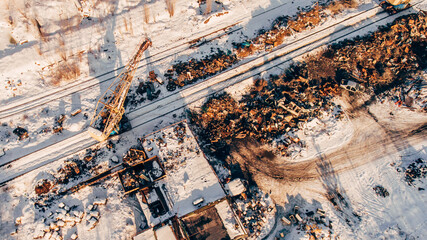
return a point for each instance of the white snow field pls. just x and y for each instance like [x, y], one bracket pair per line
[39, 39]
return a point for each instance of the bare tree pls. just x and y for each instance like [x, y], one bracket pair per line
[146, 14]
[208, 6]
[170, 4]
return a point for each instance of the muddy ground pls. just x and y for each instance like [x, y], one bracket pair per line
[373, 138]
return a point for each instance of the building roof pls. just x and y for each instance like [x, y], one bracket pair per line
[146, 235]
[189, 175]
[229, 220]
[236, 187]
[165, 233]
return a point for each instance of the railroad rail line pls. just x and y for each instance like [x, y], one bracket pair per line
[24, 105]
[249, 69]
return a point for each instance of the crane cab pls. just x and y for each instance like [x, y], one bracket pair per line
[393, 6]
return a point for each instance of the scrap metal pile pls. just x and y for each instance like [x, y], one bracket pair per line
[134, 155]
[387, 56]
[51, 188]
[381, 191]
[272, 108]
[22, 133]
[184, 73]
[315, 223]
[285, 26]
[415, 170]
[65, 218]
[254, 210]
[268, 111]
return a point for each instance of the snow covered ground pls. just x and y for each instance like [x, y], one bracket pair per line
[30, 60]
[397, 216]
[189, 175]
[74, 126]
[350, 173]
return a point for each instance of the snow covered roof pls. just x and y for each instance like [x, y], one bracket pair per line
[233, 225]
[165, 233]
[146, 235]
[190, 181]
[190, 177]
[236, 187]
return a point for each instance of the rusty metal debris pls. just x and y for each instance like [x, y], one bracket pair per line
[43, 187]
[387, 56]
[272, 108]
[69, 170]
[148, 88]
[415, 170]
[285, 26]
[180, 132]
[57, 128]
[134, 155]
[184, 73]
[269, 110]
[253, 210]
[22, 133]
[381, 191]
[141, 175]
[75, 112]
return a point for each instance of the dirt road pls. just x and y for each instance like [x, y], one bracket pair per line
[377, 133]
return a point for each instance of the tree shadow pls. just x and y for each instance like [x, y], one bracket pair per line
[311, 213]
[335, 193]
[108, 54]
[140, 220]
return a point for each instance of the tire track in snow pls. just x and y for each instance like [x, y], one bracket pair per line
[140, 117]
[213, 33]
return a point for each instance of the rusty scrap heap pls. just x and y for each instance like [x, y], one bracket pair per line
[268, 111]
[134, 155]
[184, 73]
[414, 171]
[285, 26]
[387, 56]
[272, 108]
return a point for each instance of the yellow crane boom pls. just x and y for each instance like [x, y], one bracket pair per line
[110, 107]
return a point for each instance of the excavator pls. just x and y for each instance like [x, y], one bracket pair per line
[108, 118]
[394, 6]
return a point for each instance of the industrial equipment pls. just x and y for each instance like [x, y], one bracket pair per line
[107, 119]
[393, 6]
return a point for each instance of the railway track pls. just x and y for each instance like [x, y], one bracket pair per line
[27, 104]
[356, 25]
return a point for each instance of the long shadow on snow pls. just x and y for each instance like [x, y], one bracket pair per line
[334, 191]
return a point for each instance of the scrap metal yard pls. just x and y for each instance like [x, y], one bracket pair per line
[201, 119]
